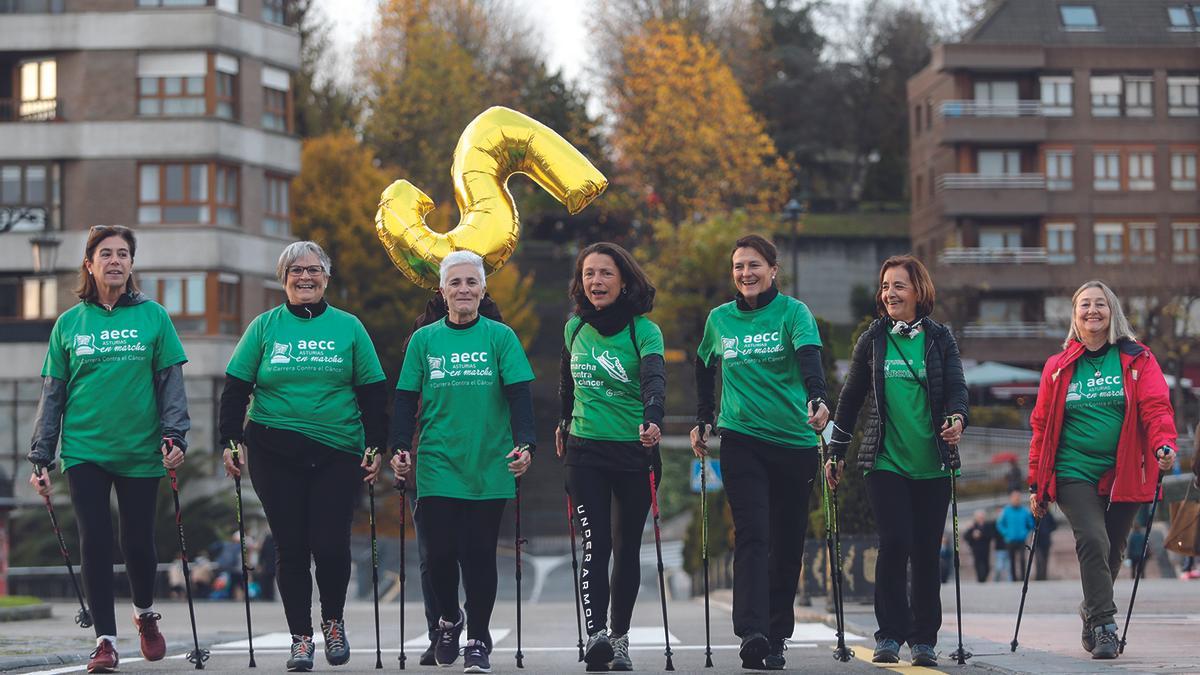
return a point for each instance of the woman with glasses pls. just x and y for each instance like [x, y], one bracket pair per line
[315, 428]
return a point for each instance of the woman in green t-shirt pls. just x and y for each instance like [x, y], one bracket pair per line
[319, 405]
[471, 378]
[113, 390]
[612, 385]
[772, 398]
[907, 368]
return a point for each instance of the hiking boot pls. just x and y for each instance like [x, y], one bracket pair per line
[620, 658]
[104, 658]
[427, 657]
[774, 660]
[475, 658]
[886, 651]
[446, 651]
[303, 649]
[923, 655]
[754, 649]
[1107, 644]
[337, 649]
[599, 651]
[154, 647]
[1086, 639]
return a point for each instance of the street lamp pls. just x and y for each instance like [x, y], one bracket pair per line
[45, 252]
[792, 211]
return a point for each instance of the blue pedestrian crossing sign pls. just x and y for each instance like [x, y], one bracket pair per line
[714, 476]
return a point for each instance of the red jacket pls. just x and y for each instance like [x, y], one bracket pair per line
[1149, 424]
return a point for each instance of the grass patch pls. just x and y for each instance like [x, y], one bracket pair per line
[18, 600]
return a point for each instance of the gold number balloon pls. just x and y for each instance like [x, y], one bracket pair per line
[495, 145]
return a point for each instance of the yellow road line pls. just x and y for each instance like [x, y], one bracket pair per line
[894, 667]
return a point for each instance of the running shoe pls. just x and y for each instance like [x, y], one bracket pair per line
[887, 650]
[475, 658]
[599, 652]
[337, 648]
[154, 647]
[620, 647]
[754, 649]
[1107, 644]
[446, 651]
[774, 659]
[104, 658]
[923, 655]
[303, 649]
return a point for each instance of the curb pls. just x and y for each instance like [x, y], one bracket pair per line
[25, 612]
[8, 663]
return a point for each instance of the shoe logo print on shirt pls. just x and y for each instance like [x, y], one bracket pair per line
[729, 348]
[281, 353]
[435, 367]
[611, 365]
[84, 345]
[1075, 391]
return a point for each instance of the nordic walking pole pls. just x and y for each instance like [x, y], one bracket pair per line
[520, 656]
[370, 459]
[833, 546]
[1037, 529]
[575, 573]
[84, 617]
[235, 454]
[1137, 577]
[197, 656]
[402, 486]
[704, 554]
[960, 655]
[662, 585]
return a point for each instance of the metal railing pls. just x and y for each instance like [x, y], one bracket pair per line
[1012, 181]
[16, 110]
[1012, 329]
[991, 109]
[974, 256]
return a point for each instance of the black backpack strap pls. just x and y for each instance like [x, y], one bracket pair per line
[633, 336]
[574, 334]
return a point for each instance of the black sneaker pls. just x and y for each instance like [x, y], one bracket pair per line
[774, 660]
[1086, 639]
[337, 649]
[427, 657]
[887, 650]
[754, 649]
[923, 655]
[1107, 644]
[599, 652]
[446, 651]
[620, 659]
[302, 654]
[475, 658]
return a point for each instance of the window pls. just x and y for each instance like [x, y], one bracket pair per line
[916, 120]
[1183, 95]
[999, 162]
[178, 83]
[29, 298]
[1186, 238]
[227, 195]
[1000, 237]
[29, 197]
[1110, 244]
[1141, 171]
[273, 294]
[1106, 167]
[1000, 311]
[918, 190]
[1179, 18]
[225, 78]
[172, 3]
[1060, 243]
[1078, 17]
[275, 11]
[1139, 96]
[1057, 310]
[1106, 96]
[1059, 169]
[1183, 170]
[277, 209]
[229, 303]
[996, 98]
[1057, 95]
[1141, 242]
[276, 114]
[173, 193]
[39, 91]
[180, 294]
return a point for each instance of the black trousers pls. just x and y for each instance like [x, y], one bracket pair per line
[91, 488]
[981, 555]
[309, 506]
[1016, 559]
[768, 487]
[461, 535]
[610, 511]
[910, 515]
[427, 595]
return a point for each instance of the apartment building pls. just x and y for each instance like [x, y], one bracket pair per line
[1056, 143]
[170, 116]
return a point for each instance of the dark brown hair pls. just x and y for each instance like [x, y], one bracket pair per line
[86, 289]
[761, 244]
[921, 281]
[638, 289]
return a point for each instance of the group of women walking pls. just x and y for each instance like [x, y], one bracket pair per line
[304, 411]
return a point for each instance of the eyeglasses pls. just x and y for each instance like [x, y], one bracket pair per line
[296, 270]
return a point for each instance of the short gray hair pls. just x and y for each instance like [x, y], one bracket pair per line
[1118, 325]
[462, 258]
[297, 250]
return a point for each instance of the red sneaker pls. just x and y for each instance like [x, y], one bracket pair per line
[104, 658]
[154, 647]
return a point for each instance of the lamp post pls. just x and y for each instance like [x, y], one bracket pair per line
[792, 211]
[45, 253]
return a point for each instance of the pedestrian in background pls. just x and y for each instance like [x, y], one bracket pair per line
[1015, 525]
[979, 537]
[1047, 524]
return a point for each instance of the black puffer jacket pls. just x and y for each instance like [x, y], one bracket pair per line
[947, 389]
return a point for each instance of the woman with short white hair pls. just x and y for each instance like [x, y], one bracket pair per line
[316, 424]
[472, 378]
[1103, 429]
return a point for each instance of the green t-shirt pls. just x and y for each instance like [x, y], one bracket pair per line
[909, 445]
[1095, 411]
[762, 391]
[108, 360]
[304, 373]
[607, 375]
[466, 426]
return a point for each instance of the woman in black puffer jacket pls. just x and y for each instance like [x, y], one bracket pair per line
[907, 368]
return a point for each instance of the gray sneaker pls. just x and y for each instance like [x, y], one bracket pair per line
[620, 659]
[924, 655]
[599, 652]
[887, 650]
[1086, 639]
[1107, 644]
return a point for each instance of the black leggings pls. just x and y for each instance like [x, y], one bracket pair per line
[462, 534]
[91, 488]
[309, 509]
[610, 511]
[910, 516]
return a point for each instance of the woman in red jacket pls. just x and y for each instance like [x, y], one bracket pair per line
[1103, 428]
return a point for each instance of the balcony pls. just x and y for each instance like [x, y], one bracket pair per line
[965, 194]
[16, 110]
[991, 108]
[986, 256]
[992, 122]
[1009, 329]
